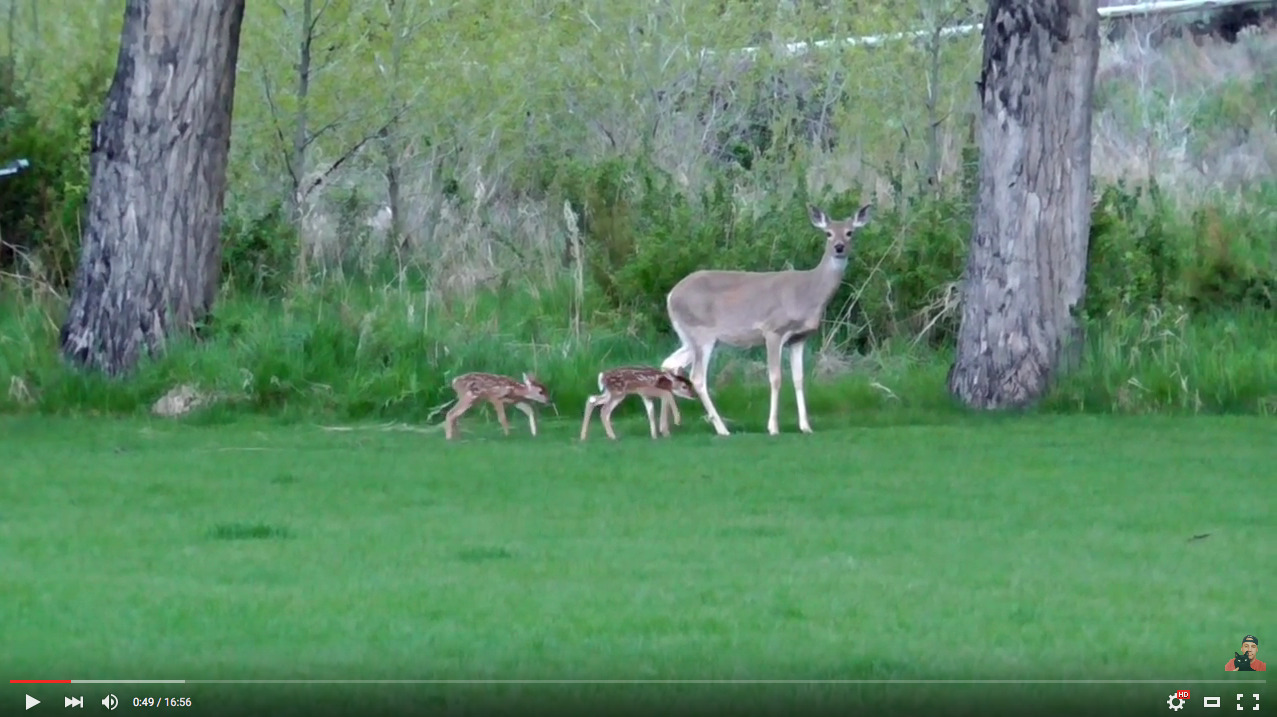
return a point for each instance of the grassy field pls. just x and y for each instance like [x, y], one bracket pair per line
[936, 547]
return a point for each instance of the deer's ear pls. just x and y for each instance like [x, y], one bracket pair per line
[862, 216]
[527, 379]
[817, 216]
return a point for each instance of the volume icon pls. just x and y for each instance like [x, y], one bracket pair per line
[110, 702]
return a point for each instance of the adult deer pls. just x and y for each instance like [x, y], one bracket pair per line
[747, 308]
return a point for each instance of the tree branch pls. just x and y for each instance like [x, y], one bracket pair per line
[318, 14]
[279, 131]
[351, 152]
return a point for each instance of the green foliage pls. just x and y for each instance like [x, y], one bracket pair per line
[1166, 360]
[258, 252]
[671, 160]
[643, 233]
[1239, 105]
[1141, 254]
[352, 352]
[40, 209]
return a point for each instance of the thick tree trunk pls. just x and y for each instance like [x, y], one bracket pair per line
[1026, 271]
[150, 258]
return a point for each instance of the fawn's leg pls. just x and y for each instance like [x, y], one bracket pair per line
[590, 404]
[606, 414]
[773, 377]
[796, 372]
[665, 416]
[651, 414]
[500, 407]
[532, 416]
[669, 405]
[450, 420]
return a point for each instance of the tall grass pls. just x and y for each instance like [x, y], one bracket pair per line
[349, 351]
[1170, 361]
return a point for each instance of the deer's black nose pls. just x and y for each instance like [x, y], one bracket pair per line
[840, 248]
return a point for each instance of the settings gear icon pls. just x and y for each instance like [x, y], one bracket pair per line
[1174, 702]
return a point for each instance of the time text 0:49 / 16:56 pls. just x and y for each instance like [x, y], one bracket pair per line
[161, 701]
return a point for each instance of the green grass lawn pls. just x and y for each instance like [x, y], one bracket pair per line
[936, 548]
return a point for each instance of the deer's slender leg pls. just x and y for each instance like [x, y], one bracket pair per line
[651, 414]
[606, 414]
[681, 358]
[796, 351]
[700, 371]
[532, 416]
[774, 378]
[500, 408]
[450, 420]
[590, 404]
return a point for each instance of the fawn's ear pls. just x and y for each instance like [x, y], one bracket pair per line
[529, 379]
[862, 216]
[817, 216]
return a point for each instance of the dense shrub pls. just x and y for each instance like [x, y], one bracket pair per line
[258, 252]
[1142, 254]
[643, 233]
[41, 209]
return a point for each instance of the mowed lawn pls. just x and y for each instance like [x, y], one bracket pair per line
[950, 548]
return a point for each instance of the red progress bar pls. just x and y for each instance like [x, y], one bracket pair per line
[39, 682]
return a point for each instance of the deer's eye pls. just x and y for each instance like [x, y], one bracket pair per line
[829, 234]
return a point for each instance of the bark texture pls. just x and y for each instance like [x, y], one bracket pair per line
[150, 257]
[1026, 268]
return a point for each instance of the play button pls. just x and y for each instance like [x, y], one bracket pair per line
[32, 702]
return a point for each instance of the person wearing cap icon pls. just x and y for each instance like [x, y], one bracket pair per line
[1250, 645]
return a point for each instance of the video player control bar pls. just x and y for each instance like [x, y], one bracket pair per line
[97, 682]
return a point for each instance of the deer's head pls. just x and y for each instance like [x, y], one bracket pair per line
[534, 390]
[680, 385]
[840, 234]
